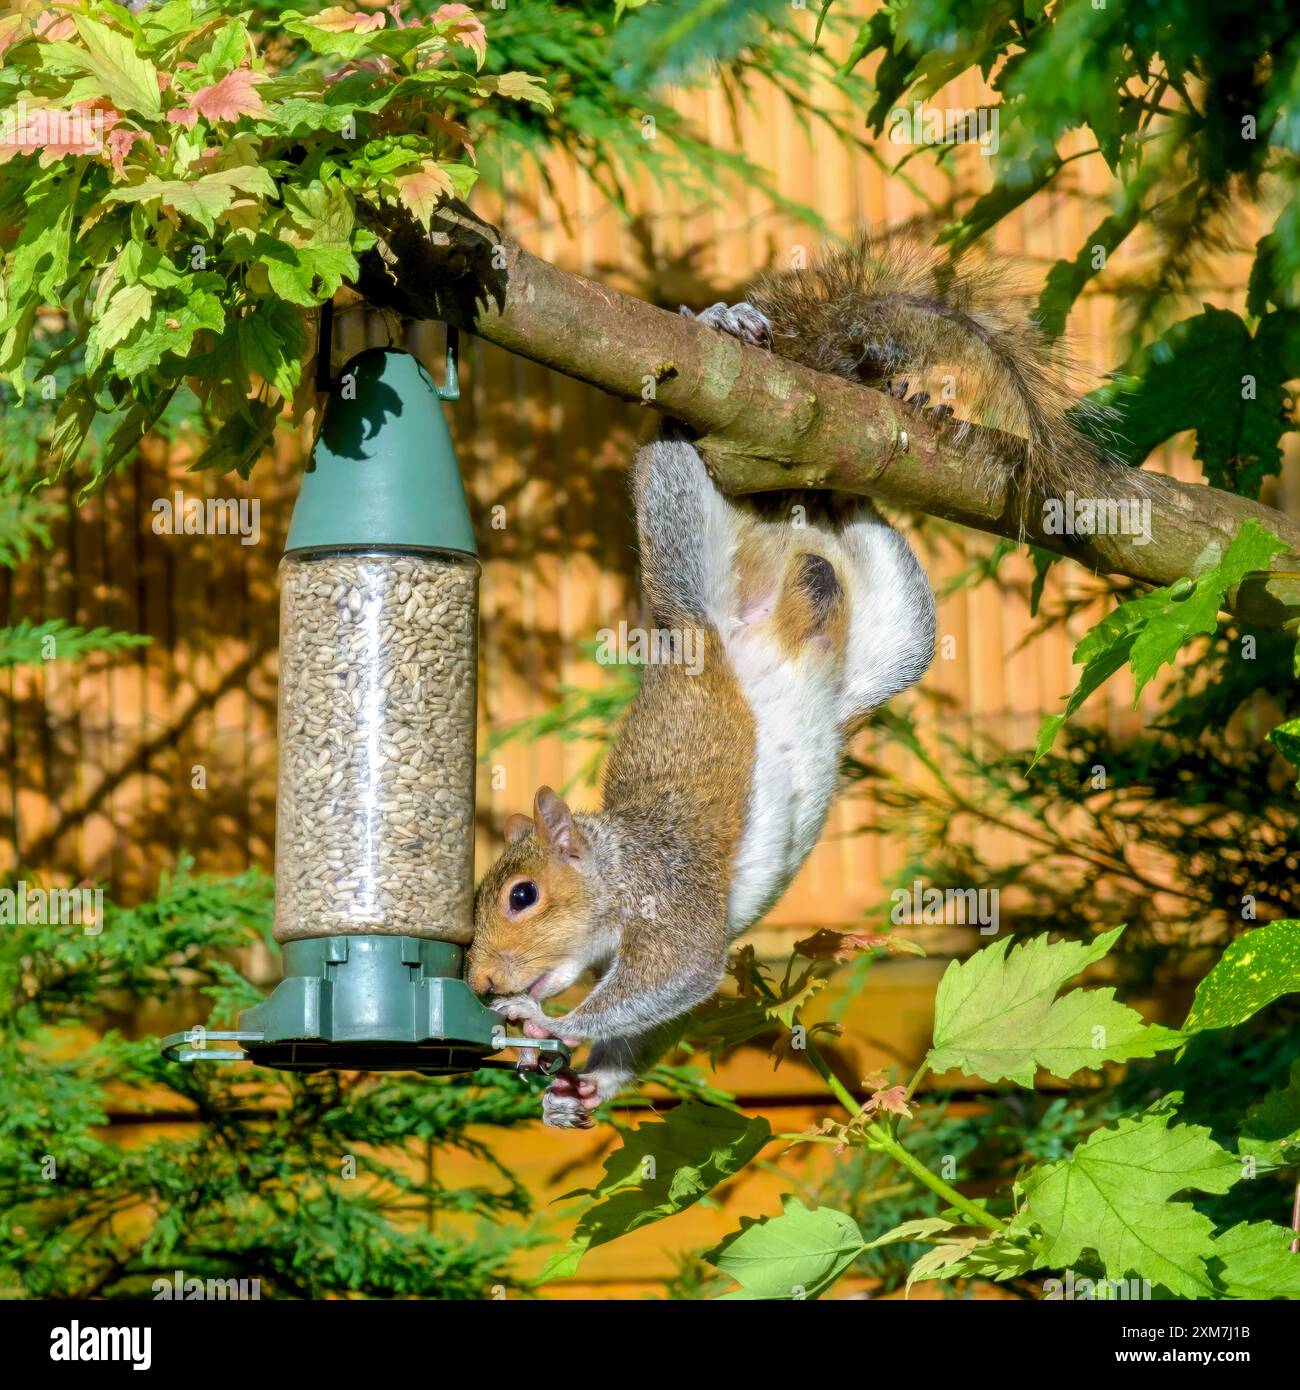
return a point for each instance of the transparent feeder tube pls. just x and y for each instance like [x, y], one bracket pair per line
[375, 809]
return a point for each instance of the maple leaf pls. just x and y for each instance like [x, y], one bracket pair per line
[337, 20]
[51, 25]
[521, 86]
[11, 30]
[467, 29]
[234, 96]
[1113, 1195]
[422, 190]
[997, 1014]
[746, 971]
[119, 144]
[456, 131]
[800, 994]
[788, 1043]
[892, 1099]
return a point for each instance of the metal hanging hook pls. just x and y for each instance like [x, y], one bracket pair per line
[450, 388]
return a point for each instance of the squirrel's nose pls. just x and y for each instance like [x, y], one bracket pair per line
[481, 982]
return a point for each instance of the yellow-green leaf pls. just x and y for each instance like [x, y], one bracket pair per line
[423, 190]
[996, 1015]
[128, 80]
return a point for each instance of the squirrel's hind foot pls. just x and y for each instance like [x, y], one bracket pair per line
[919, 401]
[569, 1101]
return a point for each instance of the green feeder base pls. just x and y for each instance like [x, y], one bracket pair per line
[368, 1003]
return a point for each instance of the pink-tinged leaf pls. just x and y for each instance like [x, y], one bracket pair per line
[56, 132]
[337, 20]
[51, 25]
[234, 96]
[456, 131]
[119, 146]
[422, 191]
[11, 30]
[466, 29]
[893, 1099]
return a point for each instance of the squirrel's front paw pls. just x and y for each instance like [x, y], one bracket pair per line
[520, 1008]
[742, 321]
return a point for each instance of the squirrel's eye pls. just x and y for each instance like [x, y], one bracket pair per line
[523, 895]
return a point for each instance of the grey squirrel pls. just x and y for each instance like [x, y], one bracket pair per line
[812, 611]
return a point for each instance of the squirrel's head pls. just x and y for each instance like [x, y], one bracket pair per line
[533, 930]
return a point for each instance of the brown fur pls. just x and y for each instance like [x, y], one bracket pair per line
[812, 606]
[676, 787]
[884, 309]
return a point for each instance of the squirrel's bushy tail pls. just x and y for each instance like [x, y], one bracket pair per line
[884, 309]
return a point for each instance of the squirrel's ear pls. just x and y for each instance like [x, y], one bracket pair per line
[555, 824]
[516, 828]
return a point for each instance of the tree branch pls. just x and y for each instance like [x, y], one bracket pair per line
[766, 423]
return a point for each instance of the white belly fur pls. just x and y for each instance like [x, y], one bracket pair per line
[796, 769]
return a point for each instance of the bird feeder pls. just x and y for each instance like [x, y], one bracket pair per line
[374, 838]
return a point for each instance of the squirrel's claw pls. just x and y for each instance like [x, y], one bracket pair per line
[742, 321]
[517, 1008]
[920, 401]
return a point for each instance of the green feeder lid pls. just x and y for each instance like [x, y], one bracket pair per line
[383, 472]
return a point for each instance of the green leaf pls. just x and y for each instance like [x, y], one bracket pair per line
[124, 77]
[204, 199]
[923, 1228]
[996, 1015]
[1066, 279]
[1209, 374]
[238, 444]
[72, 424]
[351, 42]
[39, 258]
[1257, 1262]
[33, 644]
[1112, 1196]
[1286, 739]
[126, 308]
[229, 48]
[521, 86]
[1270, 1133]
[1147, 632]
[794, 1256]
[127, 434]
[271, 340]
[1015, 187]
[661, 1169]
[1253, 971]
[1269, 283]
[973, 1257]
[305, 275]
[171, 329]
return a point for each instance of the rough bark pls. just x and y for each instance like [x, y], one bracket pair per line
[766, 423]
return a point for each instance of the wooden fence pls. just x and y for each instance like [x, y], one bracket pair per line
[110, 770]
